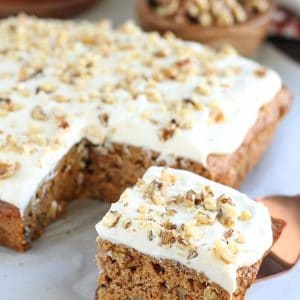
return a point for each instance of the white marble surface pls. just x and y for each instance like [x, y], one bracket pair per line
[61, 266]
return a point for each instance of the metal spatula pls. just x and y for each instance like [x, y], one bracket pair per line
[286, 251]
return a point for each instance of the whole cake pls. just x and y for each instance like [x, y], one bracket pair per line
[177, 235]
[86, 109]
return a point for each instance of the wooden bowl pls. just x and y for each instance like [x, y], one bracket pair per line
[44, 8]
[245, 37]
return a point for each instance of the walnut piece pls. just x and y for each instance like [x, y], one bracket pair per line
[223, 252]
[111, 219]
[8, 169]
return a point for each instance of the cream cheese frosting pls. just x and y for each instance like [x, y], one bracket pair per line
[177, 215]
[62, 81]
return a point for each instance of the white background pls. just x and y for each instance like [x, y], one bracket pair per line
[62, 266]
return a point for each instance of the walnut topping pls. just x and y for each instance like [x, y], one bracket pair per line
[46, 88]
[171, 212]
[245, 215]
[107, 97]
[217, 115]
[143, 209]
[224, 253]
[28, 72]
[127, 223]
[204, 219]
[12, 144]
[204, 89]
[150, 235]
[168, 132]
[155, 191]
[111, 219]
[192, 254]
[167, 238]
[228, 215]
[223, 199]
[168, 178]
[61, 98]
[189, 198]
[210, 203]
[228, 233]
[104, 118]
[169, 225]
[193, 232]
[62, 123]
[8, 169]
[38, 114]
[7, 105]
[153, 96]
[260, 72]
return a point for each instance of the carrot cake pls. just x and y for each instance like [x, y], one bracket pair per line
[85, 109]
[177, 235]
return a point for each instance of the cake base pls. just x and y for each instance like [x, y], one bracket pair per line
[103, 172]
[128, 274]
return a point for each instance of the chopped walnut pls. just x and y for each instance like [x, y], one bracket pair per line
[150, 235]
[167, 238]
[155, 191]
[223, 199]
[62, 123]
[245, 215]
[227, 215]
[104, 118]
[111, 219]
[127, 223]
[8, 169]
[204, 219]
[210, 203]
[260, 72]
[38, 114]
[153, 96]
[171, 212]
[46, 88]
[168, 178]
[61, 98]
[192, 254]
[228, 233]
[167, 132]
[143, 209]
[189, 198]
[217, 115]
[204, 89]
[7, 105]
[193, 232]
[169, 225]
[224, 253]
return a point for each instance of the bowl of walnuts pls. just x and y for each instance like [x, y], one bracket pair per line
[241, 23]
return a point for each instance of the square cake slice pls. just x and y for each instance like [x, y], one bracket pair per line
[177, 235]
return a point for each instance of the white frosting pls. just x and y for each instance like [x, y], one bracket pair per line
[257, 231]
[92, 64]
